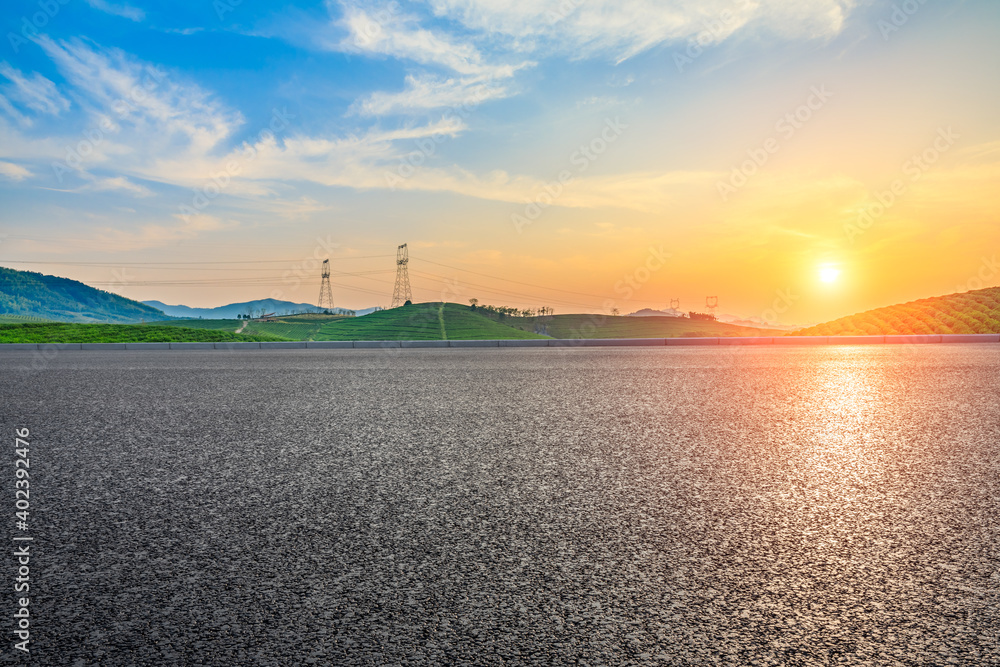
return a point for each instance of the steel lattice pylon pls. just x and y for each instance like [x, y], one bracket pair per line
[401, 292]
[325, 291]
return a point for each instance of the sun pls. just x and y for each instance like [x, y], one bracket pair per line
[829, 274]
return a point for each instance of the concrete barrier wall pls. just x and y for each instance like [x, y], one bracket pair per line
[747, 340]
[531, 342]
[691, 341]
[328, 344]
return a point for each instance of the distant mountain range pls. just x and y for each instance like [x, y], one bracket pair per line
[233, 310]
[36, 295]
[649, 312]
[728, 319]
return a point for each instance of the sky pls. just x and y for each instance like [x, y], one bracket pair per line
[800, 160]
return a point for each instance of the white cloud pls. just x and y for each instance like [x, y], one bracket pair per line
[134, 104]
[428, 92]
[478, 39]
[34, 92]
[123, 10]
[621, 29]
[14, 172]
[184, 31]
[385, 30]
[119, 183]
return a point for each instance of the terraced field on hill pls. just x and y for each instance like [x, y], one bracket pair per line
[970, 312]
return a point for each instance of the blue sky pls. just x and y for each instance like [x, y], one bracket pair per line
[139, 135]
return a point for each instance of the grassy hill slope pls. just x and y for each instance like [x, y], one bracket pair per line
[421, 321]
[60, 332]
[218, 325]
[30, 294]
[288, 327]
[970, 312]
[620, 326]
[294, 327]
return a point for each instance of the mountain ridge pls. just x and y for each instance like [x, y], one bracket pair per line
[30, 294]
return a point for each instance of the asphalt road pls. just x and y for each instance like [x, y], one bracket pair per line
[836, 505]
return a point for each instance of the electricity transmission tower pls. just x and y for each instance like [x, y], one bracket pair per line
[675, 304]
[401, 292]
[325, 291]
[712, 302]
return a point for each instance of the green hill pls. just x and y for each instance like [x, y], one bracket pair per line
[61, 332]
[969, 312]
[28, 294]
[620, 326]
[288, 327]
[421, 321]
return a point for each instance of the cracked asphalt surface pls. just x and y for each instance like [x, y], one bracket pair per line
[683, 506]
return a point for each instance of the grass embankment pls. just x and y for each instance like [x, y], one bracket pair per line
[421, 321]
[620, 326]
[970, 312]
[58, 332]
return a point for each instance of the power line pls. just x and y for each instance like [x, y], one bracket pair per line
[240, 261]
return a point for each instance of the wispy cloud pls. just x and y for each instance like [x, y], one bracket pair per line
[14, 172]
[137, 104]
[34, 92]
[485, 42]
[621, 29]
[124, 10]
[184, 31]
[426, 92]
[118, 183]
[386, 30]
